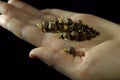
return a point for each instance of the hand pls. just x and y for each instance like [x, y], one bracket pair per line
[101, 60]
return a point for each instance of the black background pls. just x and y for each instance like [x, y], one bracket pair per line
[14, 60]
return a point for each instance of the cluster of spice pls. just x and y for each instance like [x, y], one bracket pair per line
[68, 30]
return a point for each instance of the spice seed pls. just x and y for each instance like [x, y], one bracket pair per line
[68, 21]
[66, 36]
[70, 50]
[59, 35]
[39, 25]
[52, 26]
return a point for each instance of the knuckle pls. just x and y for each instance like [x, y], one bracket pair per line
[14, 26]
[6, 8]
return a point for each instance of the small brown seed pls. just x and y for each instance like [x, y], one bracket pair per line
[68, 21]
[65, 27]
[60, 28]
[60, 20]
[45, 26]
[74, 35]
[70, 50]
[52, 26]
[59, 34]
[66, 36]
[80, 22]
[39, 25]
[72, 27]
[55, 21]
[97, 33]
[81, 37]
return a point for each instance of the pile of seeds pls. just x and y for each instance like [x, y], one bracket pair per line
[68, 30]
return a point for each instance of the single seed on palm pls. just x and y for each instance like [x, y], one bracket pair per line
[70, 50]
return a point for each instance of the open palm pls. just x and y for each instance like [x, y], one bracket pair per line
[20, 18]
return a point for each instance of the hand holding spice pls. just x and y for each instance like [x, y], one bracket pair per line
[102, 54]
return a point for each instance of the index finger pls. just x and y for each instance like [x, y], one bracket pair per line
[21, 29]
[26, 7]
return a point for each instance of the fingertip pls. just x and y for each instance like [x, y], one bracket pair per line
[32, 53]
[32, 56]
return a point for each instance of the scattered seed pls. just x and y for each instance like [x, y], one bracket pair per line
[70, 50]
[59, 34]
[68, 21]
[65, 27]
[66, 36]
[74, 35]
[52, 26]
[60, 20]
[45, 26]
[39, 25]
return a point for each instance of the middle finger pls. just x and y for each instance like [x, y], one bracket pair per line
[22, 15]
[12, 11]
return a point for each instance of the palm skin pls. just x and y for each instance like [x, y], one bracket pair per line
[101, 60]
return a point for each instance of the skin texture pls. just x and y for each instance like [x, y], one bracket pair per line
[102, 54]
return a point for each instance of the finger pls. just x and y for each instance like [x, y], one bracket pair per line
[14, 12]
[23, 30]
[30, 33]
[61, 61]
[29, 9]
[18, 13]
[58, 12]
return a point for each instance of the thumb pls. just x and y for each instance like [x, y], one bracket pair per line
[61, 61]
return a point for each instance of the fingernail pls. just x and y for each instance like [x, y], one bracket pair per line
[31, 55]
